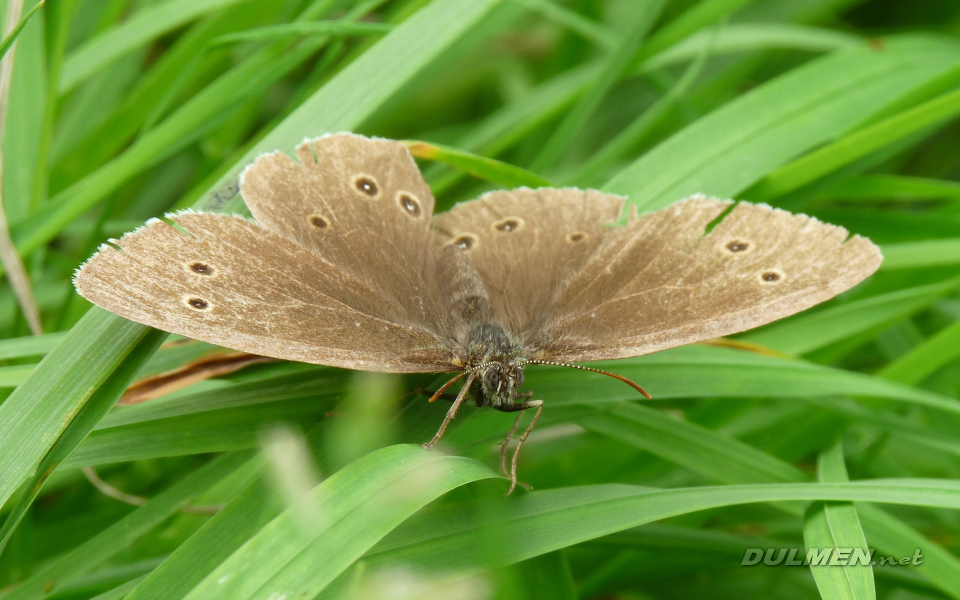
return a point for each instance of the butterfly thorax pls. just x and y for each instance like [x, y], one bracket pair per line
[497, 355]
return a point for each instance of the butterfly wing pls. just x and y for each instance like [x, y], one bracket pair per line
[660, 281]
[341, 270]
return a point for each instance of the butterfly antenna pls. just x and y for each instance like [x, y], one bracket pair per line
[592, 370]
[446, 385]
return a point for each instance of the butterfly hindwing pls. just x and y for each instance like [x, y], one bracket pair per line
[661, 280]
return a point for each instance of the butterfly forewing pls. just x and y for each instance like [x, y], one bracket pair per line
[368, 300]
[362, 205]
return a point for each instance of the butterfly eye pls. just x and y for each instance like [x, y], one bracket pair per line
[519, 377]
[491, 378]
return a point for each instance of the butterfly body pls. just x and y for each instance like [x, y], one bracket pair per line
[346, 265]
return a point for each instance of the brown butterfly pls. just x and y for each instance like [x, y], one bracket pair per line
[346, 265]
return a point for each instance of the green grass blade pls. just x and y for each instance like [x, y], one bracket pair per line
[704, 371]
[736, 145]
[895, 187]
[89, 415]
[716, 457]
[643, 19]
[917, 255]
[13, 35]
[921, 362]
[226, 531]
[836, 525]
[696, 17]
[811, 331]
[590, 30]
[124, 532]
[145, 26]
[295, 30]
[751, 37]
[541, 522]
[926, 117]
[34, 345]
[509, 176]
[41, 408]
[355, 508]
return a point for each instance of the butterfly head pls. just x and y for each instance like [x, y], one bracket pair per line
[499, 383]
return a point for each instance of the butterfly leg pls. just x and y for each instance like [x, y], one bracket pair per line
[452, 413]
[538, 404]
[506, 442]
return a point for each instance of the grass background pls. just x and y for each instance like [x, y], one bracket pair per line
[121, 110]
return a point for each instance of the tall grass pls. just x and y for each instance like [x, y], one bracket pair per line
[833, 428]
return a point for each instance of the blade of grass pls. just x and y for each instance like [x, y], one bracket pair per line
[294, 30]
[896, 187]
[541, 522]
[836, 525]
[16, 272]
[921, 362]
[127, 530]
[719, 457]
[509, 176]
[589, 30]
[918, 255]
[736, 145]
[705, 371]
[928, 117]
[643, 19]
[689, 22]
[751, 37]
[11, 36]
[357, 506]
[88, 416]
[35, 415]
[811, 331]
[145, 26]
[631, 136]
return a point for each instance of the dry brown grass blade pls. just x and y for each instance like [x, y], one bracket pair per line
[746, 346]
[16, 272]
[190, 373]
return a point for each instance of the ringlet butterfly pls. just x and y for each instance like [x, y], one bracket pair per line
[347, 266]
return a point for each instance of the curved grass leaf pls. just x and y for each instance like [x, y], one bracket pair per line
[36, 414]
[145, 26]
[731, 148]
[886, 187]
[294, 30]
[918, 255]
[811, 331]
[817, 164]
[355, 508]
[704, 371]
[921, 362]
[124, 532]
[509, 176]
[13, 35]
[836, 526]
[86, 418]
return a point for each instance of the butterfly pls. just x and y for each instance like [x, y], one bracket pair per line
[346, 265]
